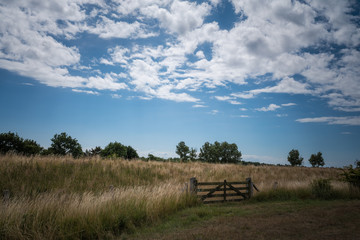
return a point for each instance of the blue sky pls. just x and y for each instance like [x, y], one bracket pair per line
[269, 76]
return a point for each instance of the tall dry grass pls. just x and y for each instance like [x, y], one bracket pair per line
[93, 198]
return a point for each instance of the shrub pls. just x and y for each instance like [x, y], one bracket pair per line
[321, 188]
[352, 175]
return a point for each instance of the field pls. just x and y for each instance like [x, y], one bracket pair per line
[94, 198]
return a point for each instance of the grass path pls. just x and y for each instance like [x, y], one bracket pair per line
[265, 220]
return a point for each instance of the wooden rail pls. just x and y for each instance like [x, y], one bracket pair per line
[213, 192]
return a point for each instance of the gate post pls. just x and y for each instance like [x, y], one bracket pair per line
[224, 190]
[193, 185]
[250, 187]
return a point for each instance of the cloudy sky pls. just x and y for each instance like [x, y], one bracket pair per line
[269, 76]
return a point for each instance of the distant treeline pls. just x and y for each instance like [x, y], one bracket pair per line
[62, 144]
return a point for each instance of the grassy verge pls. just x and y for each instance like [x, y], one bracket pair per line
[310, 219]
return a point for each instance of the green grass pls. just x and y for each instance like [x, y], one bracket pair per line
[195, 222]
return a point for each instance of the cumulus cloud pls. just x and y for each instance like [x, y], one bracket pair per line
[303, 47]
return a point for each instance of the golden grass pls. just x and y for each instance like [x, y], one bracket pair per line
[93, 198]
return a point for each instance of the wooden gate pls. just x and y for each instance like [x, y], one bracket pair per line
[212, 192]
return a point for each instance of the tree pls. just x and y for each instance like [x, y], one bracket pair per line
[30, 147]
[11, 142]
[131, 153]
[114, 150]
[317, 160]
[93, 151]
[62, 144]
[182, 150]
[230, 153]
[352, 175]
[220, 153]
[294, 158]
[192, 154]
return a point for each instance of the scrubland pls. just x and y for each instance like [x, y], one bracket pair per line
[93, 198]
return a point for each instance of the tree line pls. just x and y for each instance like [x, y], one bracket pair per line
[62, 144]
[210, 152]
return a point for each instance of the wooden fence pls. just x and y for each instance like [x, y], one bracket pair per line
[213, 192]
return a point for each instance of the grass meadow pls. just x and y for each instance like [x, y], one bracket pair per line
[93, 198]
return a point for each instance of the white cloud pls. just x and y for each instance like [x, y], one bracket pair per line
[235, 102]
[107, 28]
[116, 96]
[86, 91]
[288, 104]
[270, 41]
[214, 112]
[199, 106]
[223, 98]
[350, 120]
[182, 16]
[271, 107]
[105, 83]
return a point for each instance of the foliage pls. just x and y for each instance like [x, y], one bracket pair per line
[62, 144]
[93, 151]
[182, 150]
[114, 150]
[352, 175]
[192, 154]
[321, 188]
[152, 157]
[118, 150]
[131, 153]
[220, 153]
[11, 142]
[294, 158]
[316, 160]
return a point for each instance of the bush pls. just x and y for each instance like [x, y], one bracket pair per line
[117, 150]
[322, 189]
[352, 175]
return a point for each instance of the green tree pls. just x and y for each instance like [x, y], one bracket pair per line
[294, 158]
[192, 154]
[11, 142]
[114, 150]
[230, 153]
[30, 147]
[62, 144]
[220, 153]
[93, 151]
[316, 160]
[182, 150]
[131, 153]
[352, 175]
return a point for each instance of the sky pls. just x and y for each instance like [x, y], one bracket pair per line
[270, 76]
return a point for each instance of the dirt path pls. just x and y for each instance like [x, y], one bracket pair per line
[337, 220]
